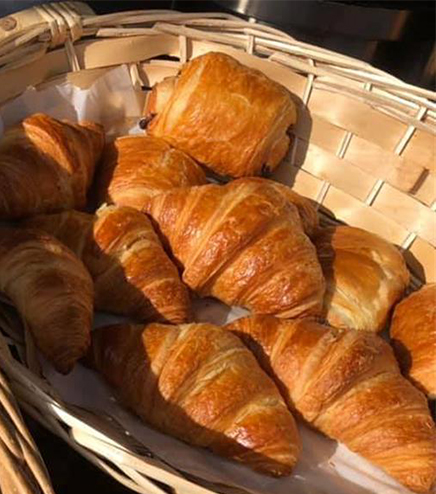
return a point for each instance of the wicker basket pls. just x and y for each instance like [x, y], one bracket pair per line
[22, 470]
[364, 151]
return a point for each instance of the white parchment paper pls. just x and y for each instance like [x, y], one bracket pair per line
[110, 100]
[325, 467]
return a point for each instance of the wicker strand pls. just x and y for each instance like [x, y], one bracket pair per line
[364, 150]
[71, 18]
[410, 131]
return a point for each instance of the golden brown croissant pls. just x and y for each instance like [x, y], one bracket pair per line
[52, 292]
[242, 243]
[198, 382]
[231, 118]
[347, 384]
[47, 165]
[413, 331]
[136, 168]
[365, 276]
[306, 209]
[132, 274]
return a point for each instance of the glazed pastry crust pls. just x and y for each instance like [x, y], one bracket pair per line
[365, 277]
[243, 244]
[136, 168]
[413, 332]
[47, 165]
[229, 117]
[52, 292]
[199, 383]
[347, 384]
[132, 274]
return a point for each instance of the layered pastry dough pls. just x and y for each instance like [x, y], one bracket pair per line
[52, 291]
[229, 117]
[242, 243]
[306, 208]
[365, 276]
[347, 384]
[132, 273]
[47, 165]
[136, 168]
[199, 383]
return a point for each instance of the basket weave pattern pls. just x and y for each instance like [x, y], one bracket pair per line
[364, 149]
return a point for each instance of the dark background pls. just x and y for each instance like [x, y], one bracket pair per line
[398, 37]
[70, 473]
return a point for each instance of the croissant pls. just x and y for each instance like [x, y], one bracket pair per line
[305, 207]
[243, 244]
[132, 274]
[231, 118]
[136, 168]
[347, 384]
[198, 383]
[52, 292]
[47, 165]
[413, 331]
[365, 277]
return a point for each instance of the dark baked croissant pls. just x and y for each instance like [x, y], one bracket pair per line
[47, 165]
[199, 383]
[229, 117]
[132, 274]
[52, 292]
[136, 168]
[242, 243]
[347, 384]
[365, 276]
[413, 331]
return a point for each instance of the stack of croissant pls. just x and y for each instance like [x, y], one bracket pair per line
[158, 232]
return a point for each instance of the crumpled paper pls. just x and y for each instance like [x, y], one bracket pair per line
[109, 100]
[325, 466]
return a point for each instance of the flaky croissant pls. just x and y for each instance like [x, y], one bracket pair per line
[243, 244]
[413, 331]
[52, 292]
[132, 273]
[47, 165]
[199, 383]
[229, 117]
[136, 168]
[365, 276]
[347, 384]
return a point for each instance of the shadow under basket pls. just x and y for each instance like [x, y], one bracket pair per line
[363, 150]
